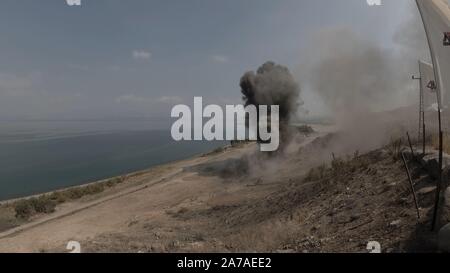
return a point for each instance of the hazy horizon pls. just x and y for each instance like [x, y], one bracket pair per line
[107, 60]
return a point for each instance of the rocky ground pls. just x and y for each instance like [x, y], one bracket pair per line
[335, 208]
[309, 199]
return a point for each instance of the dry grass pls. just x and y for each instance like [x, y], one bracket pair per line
[7, 218]
[395, 148]
[317, 173]
[28, 207]
[445, 142]
[272, 234]
[339, 167]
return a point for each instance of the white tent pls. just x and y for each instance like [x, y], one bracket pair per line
[427, 85]
[436, 19]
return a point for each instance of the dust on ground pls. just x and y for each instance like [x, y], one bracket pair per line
[234, 201]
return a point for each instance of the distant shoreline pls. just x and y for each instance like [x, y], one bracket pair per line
[105, 180]
[120, 175]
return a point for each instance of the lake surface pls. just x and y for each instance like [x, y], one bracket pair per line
[36, 158]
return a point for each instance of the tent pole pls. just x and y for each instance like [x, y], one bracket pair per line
[424, 134]
[439, 181]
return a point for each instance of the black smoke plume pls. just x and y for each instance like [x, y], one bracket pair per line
[273, 84]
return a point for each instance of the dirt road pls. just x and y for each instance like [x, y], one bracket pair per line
[239, 200]
[168, 188]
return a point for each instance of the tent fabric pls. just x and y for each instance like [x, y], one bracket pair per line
[428, 84]
[436, 18]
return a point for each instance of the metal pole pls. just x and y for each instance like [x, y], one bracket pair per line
[410, 146]
[439, 182]
[421, 108]
[424, 134]
[412, 186]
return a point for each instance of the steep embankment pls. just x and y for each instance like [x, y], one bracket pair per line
[238, 200]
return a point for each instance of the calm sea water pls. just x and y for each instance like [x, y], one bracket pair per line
[40, 157]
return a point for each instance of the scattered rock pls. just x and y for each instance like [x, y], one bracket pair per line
[403, 201]
[133, 222]
[426, 190]
[395, 223]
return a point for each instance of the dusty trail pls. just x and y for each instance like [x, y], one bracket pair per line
[78, 208]
[81, 221]
[203, 205]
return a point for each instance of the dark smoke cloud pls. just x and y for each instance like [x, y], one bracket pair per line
[272, 84]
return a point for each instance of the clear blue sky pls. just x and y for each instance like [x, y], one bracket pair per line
[135, 58]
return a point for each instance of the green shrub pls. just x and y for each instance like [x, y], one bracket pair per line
[43, 204]
[23, 209]
[28, 207]
[58, 197]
